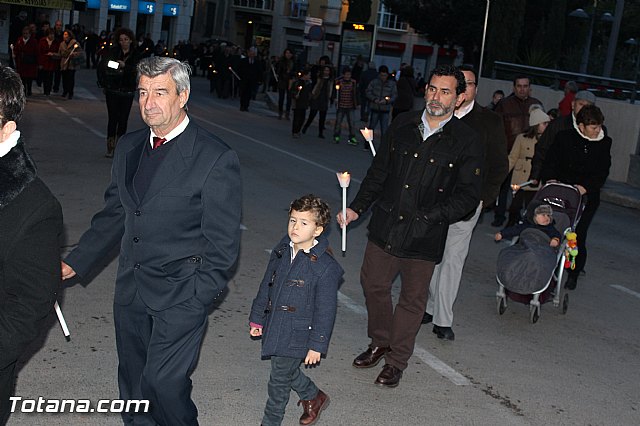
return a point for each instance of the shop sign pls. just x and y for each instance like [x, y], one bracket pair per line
[48, 4]
[120, 5]
[170, 10]
[146, 7]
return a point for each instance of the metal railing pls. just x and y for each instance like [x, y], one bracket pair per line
[600, 86]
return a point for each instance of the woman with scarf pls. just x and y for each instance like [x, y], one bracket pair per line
[581, 156]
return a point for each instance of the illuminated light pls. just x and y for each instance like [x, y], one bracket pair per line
[359, 27]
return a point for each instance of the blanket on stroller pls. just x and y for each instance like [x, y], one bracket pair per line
[527, 266]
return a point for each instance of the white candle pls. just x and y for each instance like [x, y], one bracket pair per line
[63, 323]
[368, 135]
[344, 179]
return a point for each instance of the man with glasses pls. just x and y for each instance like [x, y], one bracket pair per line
[446, 277]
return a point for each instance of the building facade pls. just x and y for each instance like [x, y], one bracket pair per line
[274, 25]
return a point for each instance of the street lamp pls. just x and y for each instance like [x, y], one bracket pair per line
[580, 13]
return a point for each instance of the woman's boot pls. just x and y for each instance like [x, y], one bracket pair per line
[111, 146]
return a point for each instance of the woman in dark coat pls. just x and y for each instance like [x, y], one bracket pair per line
[406, 92]
[30, 226]
[581, 156]
[320, 96]
[26, 56]
[117, 76]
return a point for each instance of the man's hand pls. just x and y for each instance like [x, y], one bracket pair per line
[351, 216]
[498, 236]
[582, 189]
[255, 331]
[67, 271]
[312, 358]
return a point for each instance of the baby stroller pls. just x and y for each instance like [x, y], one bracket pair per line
[529, 271]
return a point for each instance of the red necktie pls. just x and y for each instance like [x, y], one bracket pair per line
[158, 141]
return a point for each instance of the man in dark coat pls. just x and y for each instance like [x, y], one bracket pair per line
[250, 72]
[426, 175]
[30, 226]
[173, 205]
[448, 273]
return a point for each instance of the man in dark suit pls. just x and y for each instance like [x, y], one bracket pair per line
[250, 72]
[446, 277]
[30, 227]
[173, 205]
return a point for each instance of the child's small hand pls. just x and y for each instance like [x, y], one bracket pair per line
[255, 331]
[312, 358]
[498, 236]
[554, 242]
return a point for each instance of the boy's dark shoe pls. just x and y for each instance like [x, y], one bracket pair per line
[313, 407]
[371, 357]
[336, 139]
[445, 333]
[389, 376]
[427, 318]
[571, 283]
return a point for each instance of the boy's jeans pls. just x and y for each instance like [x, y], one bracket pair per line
[340, 115]
[285, 375]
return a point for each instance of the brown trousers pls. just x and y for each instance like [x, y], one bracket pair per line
[396, 328]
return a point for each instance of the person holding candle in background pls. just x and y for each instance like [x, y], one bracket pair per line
[346, 97]
[69, 48]
[295, 309]
[426, 175]
[300, 94]
[382, 93]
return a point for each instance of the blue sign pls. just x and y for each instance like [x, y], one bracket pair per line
[120, 5]
[146, 7]
[93, 4]
[170, 10]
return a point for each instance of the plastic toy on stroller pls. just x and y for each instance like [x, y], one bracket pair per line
[530, 271]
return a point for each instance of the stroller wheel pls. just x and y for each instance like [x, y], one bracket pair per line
[534, 314]
[565, 303]
[502, 305]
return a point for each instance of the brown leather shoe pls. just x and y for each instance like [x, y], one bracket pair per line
[371, 357]
[313, 407]
[389, 376]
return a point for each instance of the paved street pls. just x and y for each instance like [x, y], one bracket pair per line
[582, 368]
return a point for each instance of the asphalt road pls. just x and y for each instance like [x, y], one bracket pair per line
[582, 368]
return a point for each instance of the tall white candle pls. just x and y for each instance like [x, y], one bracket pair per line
[344, 179]
[368, 135]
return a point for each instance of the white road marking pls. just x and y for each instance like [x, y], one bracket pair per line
[243, 228]
[626, 290]
[266, 145]
[89, 128]
[424, 355]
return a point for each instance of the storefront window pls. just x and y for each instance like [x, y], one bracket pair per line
[299, 8]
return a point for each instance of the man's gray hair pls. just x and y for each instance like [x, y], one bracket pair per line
[154, 66]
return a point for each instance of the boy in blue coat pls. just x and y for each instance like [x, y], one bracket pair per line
[295, 309]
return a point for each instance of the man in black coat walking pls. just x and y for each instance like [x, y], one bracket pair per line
[426, 175]
[30, 226]
[250, 72]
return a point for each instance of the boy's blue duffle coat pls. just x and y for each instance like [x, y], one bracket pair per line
[297, 301]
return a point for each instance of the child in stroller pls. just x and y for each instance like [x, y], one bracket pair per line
[539, 216]
[531, 271]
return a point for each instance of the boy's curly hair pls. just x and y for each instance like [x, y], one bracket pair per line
[314, 204]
